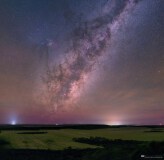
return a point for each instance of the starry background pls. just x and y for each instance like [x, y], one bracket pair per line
[82, 61]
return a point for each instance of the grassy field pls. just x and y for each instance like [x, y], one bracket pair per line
[60, 139]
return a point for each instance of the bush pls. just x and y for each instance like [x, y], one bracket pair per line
[3, 143]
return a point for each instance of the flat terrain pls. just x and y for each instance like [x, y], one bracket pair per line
[63, 138]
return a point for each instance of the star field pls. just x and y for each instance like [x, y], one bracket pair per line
[86, 61]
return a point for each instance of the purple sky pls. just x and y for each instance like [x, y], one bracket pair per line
[85, 61]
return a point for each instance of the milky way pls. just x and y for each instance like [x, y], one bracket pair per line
[82, 61]
[88, 43]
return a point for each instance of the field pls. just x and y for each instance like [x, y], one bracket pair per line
[62, 138]
[76, 140]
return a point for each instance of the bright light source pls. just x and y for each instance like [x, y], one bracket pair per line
[115, 123]
[13, 122]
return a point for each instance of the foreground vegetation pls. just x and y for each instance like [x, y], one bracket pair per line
[81, 143]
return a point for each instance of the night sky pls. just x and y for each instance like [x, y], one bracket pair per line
[82, 61]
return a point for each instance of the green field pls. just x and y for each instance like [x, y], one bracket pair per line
[60, 139]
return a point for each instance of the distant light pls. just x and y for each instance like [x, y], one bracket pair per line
[115, 123]
[13, 122]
